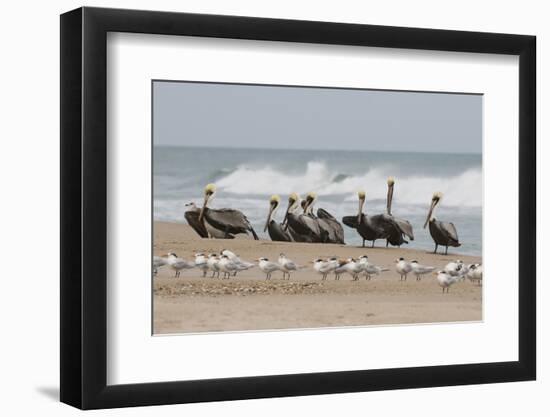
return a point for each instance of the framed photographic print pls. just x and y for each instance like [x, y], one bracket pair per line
[258, 208]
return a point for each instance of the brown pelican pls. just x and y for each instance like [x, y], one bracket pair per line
[228, 221]
[368, 227]
[276, 230]
[442, 233]
[396, 228]
[301, 227]
[331, 229]
[203, 229]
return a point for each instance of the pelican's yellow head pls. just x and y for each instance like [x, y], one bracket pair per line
[210, 189]
[292, 198]
[361, 194]
[310, 198]
[435, 200]
[391, 181]
[275, 199]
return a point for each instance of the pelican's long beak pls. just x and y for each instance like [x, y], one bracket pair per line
[309, 202]
[361, 202]
[432, 206]
[204, 204]
[285, 220]
[272, 207]
[389, 198]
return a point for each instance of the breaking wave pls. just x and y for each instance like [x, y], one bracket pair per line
[460, 190]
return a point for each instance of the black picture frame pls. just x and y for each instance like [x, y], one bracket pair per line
[84, 207]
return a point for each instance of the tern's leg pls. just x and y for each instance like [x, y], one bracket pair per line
[446, 249]
[435, 250]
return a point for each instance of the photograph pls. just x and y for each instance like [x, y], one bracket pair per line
[286, 207]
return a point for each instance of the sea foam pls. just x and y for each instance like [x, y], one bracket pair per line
[459, 190]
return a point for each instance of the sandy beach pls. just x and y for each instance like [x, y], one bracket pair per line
[191, 303]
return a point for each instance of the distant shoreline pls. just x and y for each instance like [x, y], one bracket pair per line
[339, 150]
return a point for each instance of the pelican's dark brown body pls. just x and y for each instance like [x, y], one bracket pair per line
[443, 234]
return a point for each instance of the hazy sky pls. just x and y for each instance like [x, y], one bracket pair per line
[231, 115]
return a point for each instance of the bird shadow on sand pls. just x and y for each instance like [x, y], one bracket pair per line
[50, 392]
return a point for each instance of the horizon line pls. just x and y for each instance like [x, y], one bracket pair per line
[310, 149]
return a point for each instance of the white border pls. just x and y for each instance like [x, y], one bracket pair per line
[135, 356]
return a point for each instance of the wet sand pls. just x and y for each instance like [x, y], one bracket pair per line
[191, 303]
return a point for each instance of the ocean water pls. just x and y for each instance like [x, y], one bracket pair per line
[246, 178]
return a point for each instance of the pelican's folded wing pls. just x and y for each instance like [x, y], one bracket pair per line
[192, 218]
[405, 227]
[451, 230]
[234, 221]
[323, 214]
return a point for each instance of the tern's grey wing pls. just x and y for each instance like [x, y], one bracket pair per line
[291, 265]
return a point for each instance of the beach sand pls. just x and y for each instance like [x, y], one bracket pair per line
[191, 303]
